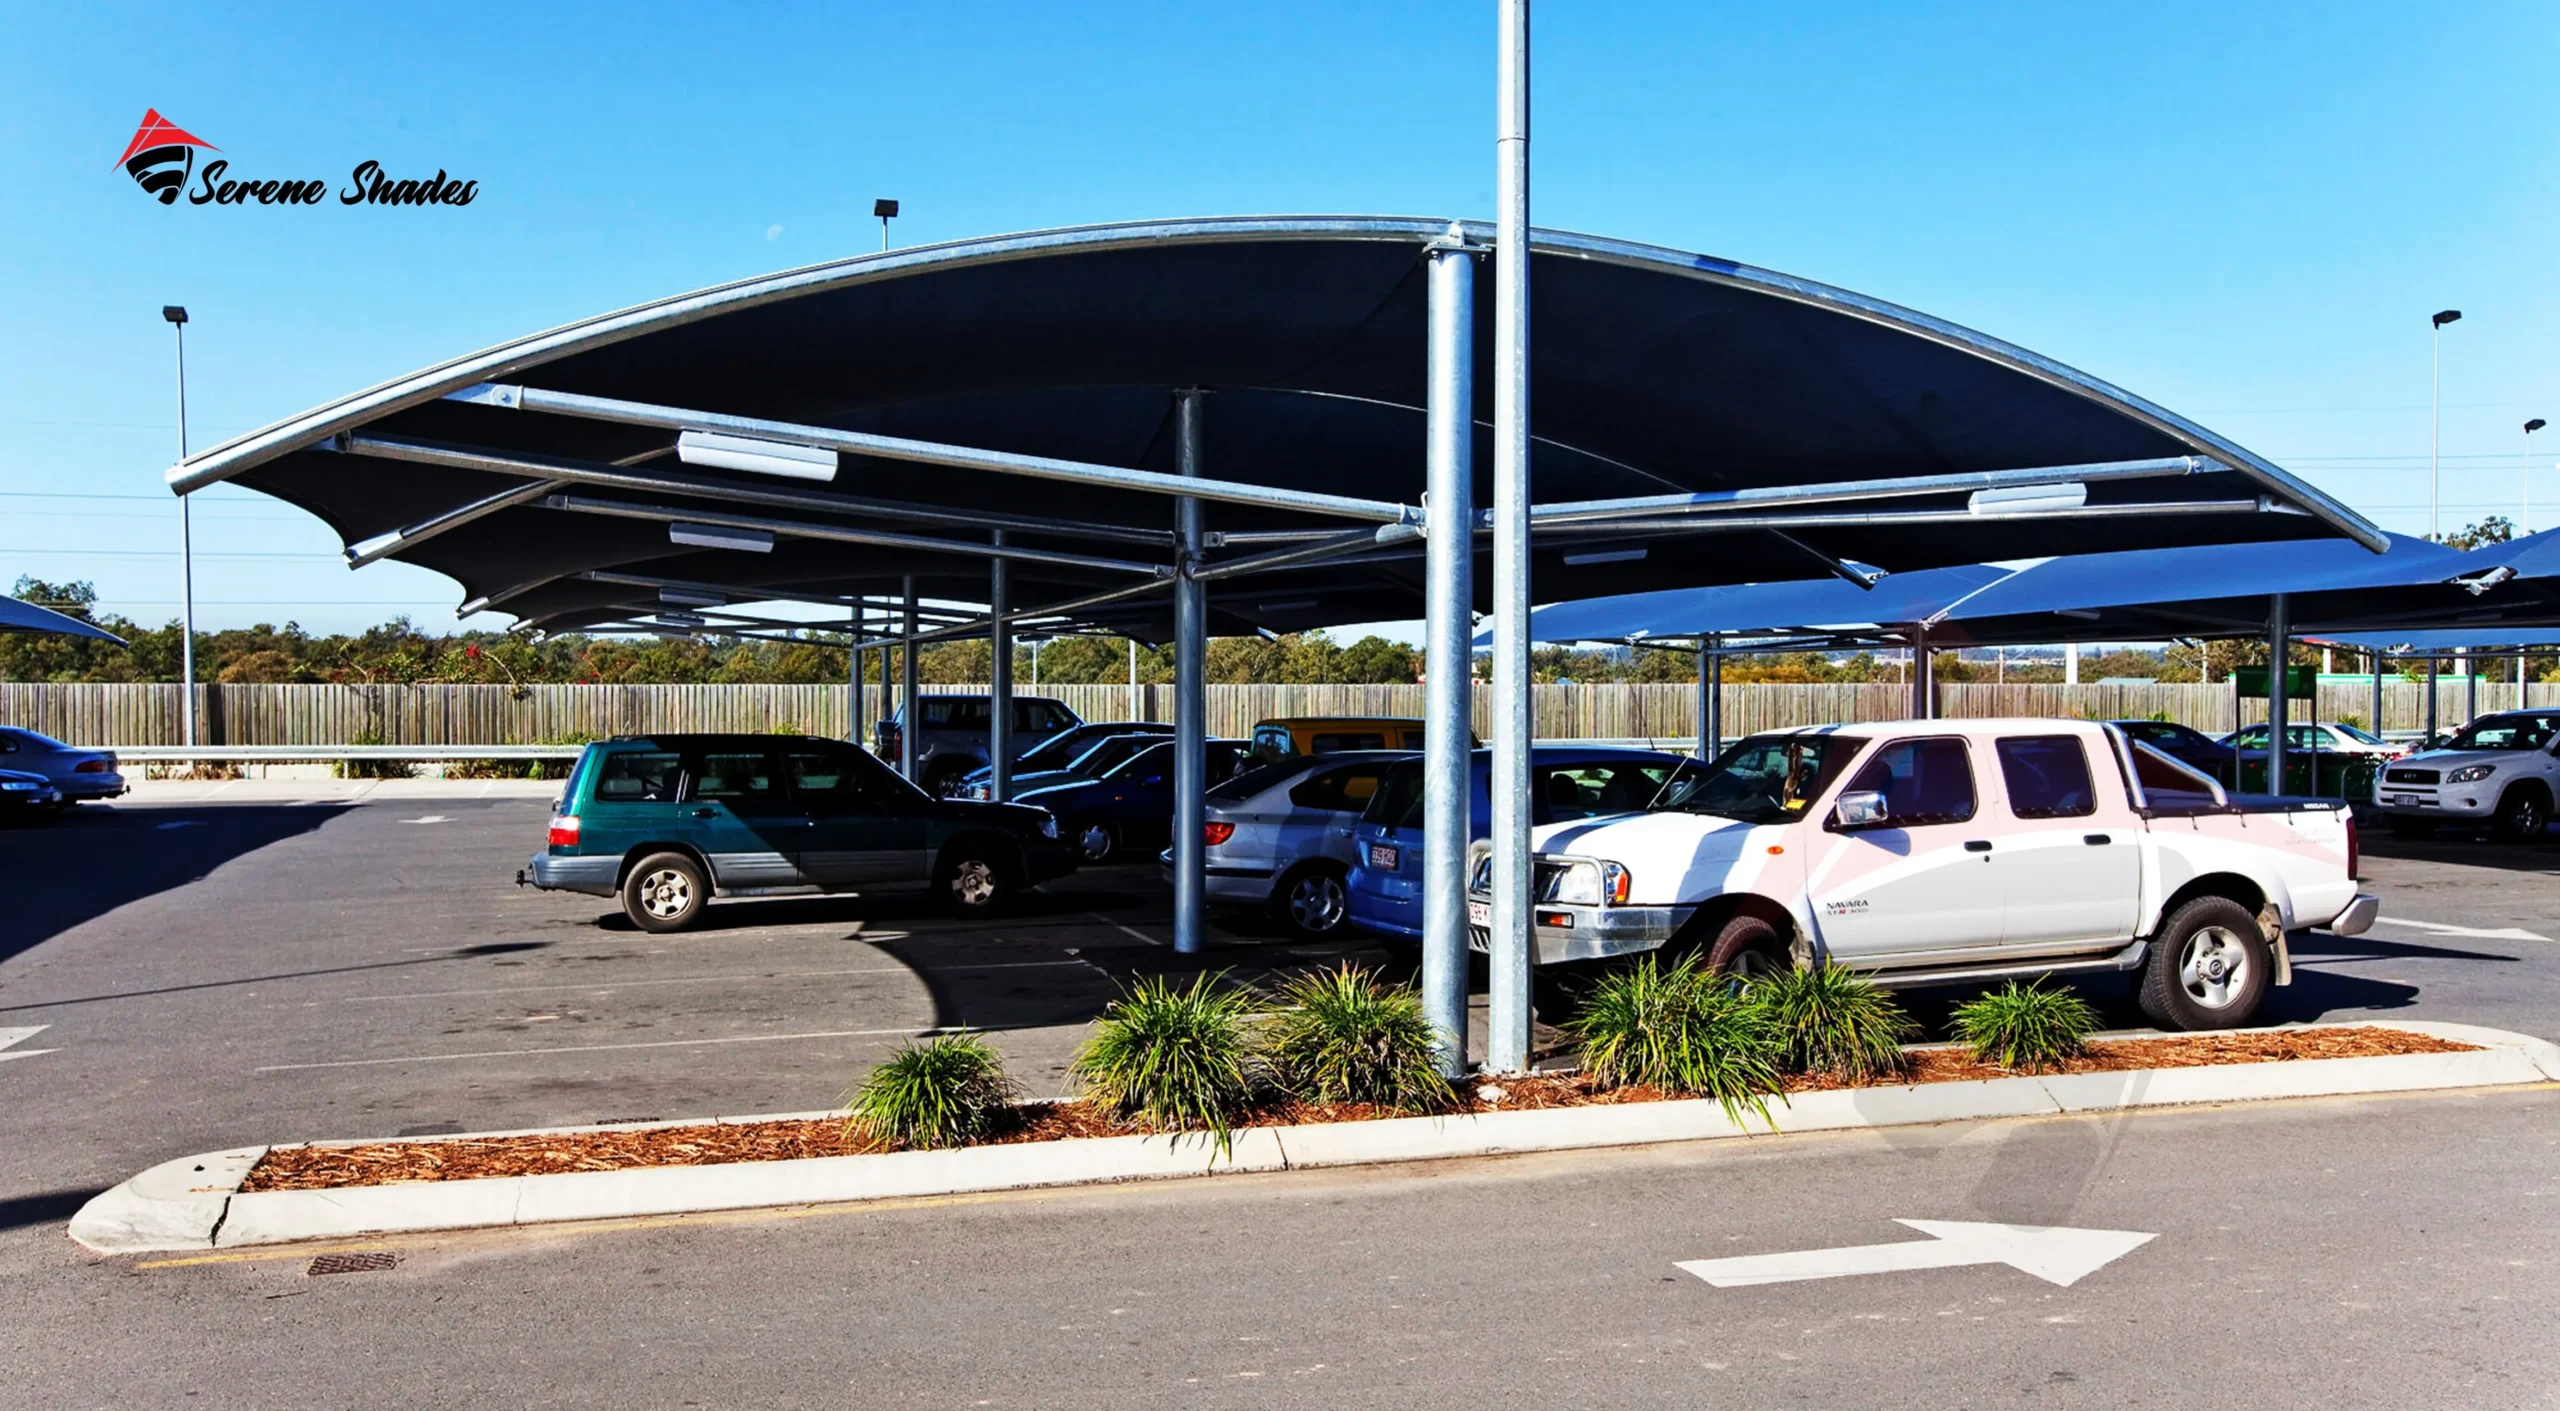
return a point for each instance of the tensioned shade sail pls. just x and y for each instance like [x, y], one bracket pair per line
[1654, 371]
[17, 616]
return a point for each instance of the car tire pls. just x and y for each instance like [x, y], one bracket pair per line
[2412, 828]
[1095, 840]
[973, 881]
[2208, 969]
[1314, 901]
[665, 891]
[1749, 948]
[2524, 813]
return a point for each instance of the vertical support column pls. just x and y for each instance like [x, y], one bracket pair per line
[2376, 654]
[1190, 692]
[853, 627]
[2470, 687]
[2431, 696]
[2279, 635]
[2071, 663]
[1507, 1029]
[999, 678]
[1922, 698]
[1449, 639]
[1134, 712]
[1710, 695]
[911, 718]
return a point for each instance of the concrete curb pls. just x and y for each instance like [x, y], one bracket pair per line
[194, 1202]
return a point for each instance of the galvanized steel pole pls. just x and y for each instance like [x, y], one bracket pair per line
[1921, 671]
[1507, 1036]
[1190, 693]
[854, 633]
[2377, 692]
[999, 679]
[910, 719]
[1710, 696]
[186, 559]
[1133, 680]
[2279, 636]
[2431, 700]
[1449, 639]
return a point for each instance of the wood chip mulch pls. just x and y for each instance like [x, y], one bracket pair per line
[704, 1144]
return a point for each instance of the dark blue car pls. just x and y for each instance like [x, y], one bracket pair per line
[1129, 805]
[1566, 782]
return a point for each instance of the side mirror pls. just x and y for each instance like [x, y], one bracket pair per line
[1863, 809]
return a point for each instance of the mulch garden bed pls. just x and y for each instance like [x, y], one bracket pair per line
[705, 1144]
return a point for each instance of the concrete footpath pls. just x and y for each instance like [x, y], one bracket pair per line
[194, 1202]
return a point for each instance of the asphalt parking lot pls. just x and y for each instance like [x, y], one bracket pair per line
[186, 975]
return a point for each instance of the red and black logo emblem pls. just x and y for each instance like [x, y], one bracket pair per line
[161, 155]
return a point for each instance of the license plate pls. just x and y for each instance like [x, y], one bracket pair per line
[2406, 800]
[1480, 912]
[1382, 856]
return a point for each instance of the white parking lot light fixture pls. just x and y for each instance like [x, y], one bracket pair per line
[2028, 499]
[756, 455]
[714, 536]
[691, 598]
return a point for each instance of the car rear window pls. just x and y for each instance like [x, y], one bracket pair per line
[1271, 743]
[1337, 742]
[2047, 777]
[1254, 781]
[633, 776]
[1344, 790]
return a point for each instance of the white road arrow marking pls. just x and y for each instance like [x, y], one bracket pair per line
[11, 1037]
[2057, 1254]
[430, 818]
[2438, 928]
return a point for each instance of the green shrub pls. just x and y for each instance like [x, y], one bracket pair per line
[1830, 1020]
[1682, 1029]
[374, 768]
[2030, 1027]
[946, 1091]
[1176, 1060]
[1346, 1038]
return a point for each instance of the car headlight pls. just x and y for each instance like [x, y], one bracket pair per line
[1588, 884]
[2470, 774]
[20, 786]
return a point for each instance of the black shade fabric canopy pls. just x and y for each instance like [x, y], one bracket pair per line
[1653, 372]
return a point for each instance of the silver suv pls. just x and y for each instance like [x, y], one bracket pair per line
[952, 740]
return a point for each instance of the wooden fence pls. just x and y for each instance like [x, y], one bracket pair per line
[500, 715]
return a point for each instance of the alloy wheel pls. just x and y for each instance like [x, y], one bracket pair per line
[1316, 903]
[666, 893]
[2213, 967]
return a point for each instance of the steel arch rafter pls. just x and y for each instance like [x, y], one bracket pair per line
[847, 534]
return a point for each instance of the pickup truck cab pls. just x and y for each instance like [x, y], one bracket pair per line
[2500, 770]
[1943, 851]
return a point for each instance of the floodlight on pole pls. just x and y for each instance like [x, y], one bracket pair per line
[176, 314]
[2525, 523]
[2435, 416]
[887, 211]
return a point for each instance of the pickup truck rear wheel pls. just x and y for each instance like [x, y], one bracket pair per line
[665, 892]
[2208, 969]
[1748, 949]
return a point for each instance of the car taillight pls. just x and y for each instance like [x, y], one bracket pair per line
[90, 766]
[2355, 847]
[564, 831]
[1217, 833]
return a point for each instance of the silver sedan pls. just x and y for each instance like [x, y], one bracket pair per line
[1279, 836]
[78, 773]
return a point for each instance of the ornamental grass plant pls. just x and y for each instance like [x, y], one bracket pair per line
[1683, 1029]
[2028, 1027]
[1834, 1021]
[945, 1091]
[1174, 1059]
[1343, 1037]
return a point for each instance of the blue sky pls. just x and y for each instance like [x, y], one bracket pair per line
[2243, 211]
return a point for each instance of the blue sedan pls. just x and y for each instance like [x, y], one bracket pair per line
[1129, 805]
[1566, 782]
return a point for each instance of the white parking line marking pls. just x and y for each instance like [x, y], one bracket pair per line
[605, 985]
[2438, 928]
[10, 1038]
[605, 1048]
[430, 818]
[1130, 931]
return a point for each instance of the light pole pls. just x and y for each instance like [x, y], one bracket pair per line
[177, 316]
[887, 211]
[2435, 416]
[2525, 525]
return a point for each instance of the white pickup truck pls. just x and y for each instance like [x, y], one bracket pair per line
[1940, 851]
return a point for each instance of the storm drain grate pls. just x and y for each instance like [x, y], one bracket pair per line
[364, 1263]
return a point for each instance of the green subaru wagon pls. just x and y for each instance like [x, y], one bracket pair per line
[667, 822]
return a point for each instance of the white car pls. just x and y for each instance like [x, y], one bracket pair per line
[2327, 735]
[1944, 851]
[2499, 770]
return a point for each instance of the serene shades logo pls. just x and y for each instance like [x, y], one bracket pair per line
[161, 158]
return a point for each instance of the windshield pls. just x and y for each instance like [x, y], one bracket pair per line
[1056, 752]
[1095, 762]
[1156, 755]
[2506, 732]
[1766, 779]
[2362, 737]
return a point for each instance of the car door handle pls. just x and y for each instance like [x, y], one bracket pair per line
[1977, 845]
[2096, 840]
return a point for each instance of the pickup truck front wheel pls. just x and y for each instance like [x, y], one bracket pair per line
[2208, 969]
[1748, 948]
